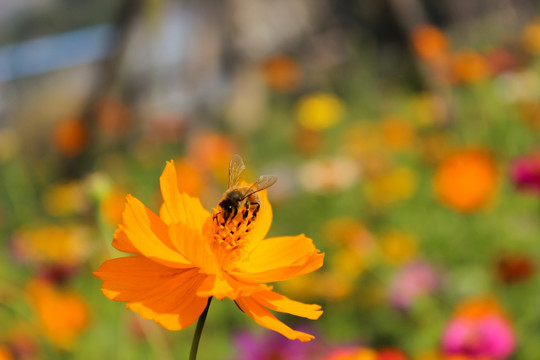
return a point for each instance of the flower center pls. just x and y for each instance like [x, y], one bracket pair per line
[229, 237]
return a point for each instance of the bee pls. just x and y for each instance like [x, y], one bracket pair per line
[242, 200]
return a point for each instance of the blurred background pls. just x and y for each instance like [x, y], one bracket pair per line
[405, 135]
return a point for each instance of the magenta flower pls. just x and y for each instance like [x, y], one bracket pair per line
[413, 281]
[273, 347]
[525, 173]
[479, 329]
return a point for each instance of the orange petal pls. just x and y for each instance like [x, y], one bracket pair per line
[280, 258]
[216, 286]
[278, 302]
[263, 317]
[223, 285]
[179, 207]
[131, 278]
[122, 243]
[194, 247]
[164, 215]
[263, 222]
[173, 304]
[149, 235]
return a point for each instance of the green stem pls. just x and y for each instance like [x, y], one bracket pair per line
[198, 332]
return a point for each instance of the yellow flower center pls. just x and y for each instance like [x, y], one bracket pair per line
[228, 238]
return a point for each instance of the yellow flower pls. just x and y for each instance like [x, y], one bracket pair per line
[397, 247]
[428, 355]
[363, 139]
[9, 144]
[319, 111]
[349, 232]
[303, 287]
[427, 109]
[186, 255]
[65, 199]
[531, 38]
[348, 262]
[435, 146]
[53, 245]
[366, 354]
[335, 286]
[395, 185]
[398, 133]
[352, 353]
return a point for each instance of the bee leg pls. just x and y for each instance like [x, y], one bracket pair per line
[246, 211]
[256, 206]
[225, 217]
[256, 210]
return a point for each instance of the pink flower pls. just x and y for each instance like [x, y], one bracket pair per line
[479, 329]
[526, 173]
[273, 347]
[413, 281]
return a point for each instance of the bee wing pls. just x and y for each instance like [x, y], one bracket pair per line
[263, 182]
[236, 168]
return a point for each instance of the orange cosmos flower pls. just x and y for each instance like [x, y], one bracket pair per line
[185, 255]
[282, 73]
[429, 43]
[531, 36]
[63, 314]
[71, 137]
[469, 67]
[466, 180]
[5, 354]
[398, 134]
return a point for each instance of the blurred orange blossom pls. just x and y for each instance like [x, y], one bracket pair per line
[352, 353]
[469, 67]
[182, 257]
[211, 152]
[63, 314]
[466, 180]
[189, 176]
[398, 134]
[531, 38]
[112, 206]
[429, 43]
[70, 137]
[52, 244]
[5, 353]
[282, 73]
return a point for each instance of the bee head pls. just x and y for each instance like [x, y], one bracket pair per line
[229, 204]
[227, 208]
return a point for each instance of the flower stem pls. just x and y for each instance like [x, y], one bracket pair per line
[198, 332]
